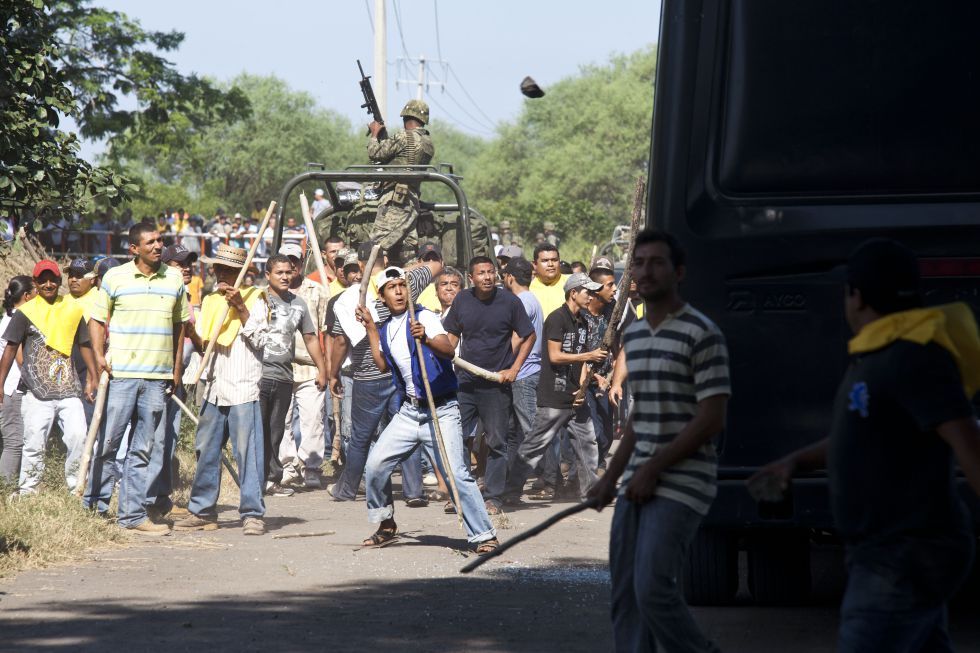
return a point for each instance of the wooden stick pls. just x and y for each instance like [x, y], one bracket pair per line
[197, 422]
[93, 433]
[213, 337]
[313, 244]
[440, 443]
[476, 371]
[595, 248]
[288, 536]
[366, 278]
[335, 447]
[529, 533]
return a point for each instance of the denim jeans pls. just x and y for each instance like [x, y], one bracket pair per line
[12, 432]
[548, 423]
[39, 415]
[241, 424]
[146, 398]
[896, 596]
[647, 549]
[492, 405]
[274, 398]
[347, 382]
[373, 403]
[161, 469]
[408, 432]
[525, 394]
[602, 421]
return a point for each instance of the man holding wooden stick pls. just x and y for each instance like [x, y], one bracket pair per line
[147, 304]
[231, 399]
[395, 347]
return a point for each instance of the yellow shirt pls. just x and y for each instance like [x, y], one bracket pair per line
[550, 297]
[86, 302]
[429, 299]
[194, 288]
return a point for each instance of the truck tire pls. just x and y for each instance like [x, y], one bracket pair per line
[711, 573]
[779, 567]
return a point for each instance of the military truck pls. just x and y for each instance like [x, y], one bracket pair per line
[784, 134]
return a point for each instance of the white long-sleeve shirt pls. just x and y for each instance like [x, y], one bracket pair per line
[235, 372]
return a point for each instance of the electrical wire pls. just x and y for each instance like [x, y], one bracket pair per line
[401, 34]
[467, 94]
[475, 119]
[453, 119]
[367, 7]
[435, 9]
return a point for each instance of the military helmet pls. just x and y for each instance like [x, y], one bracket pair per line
[549, 226]
[505, 224]
[416, 109]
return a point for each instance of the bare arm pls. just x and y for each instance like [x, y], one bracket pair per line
[618, 378]
[963, 436]
[557, 357]
[92, 378]
[813, 456]
[6, 361]
[510, 374]
[313, 347]
[338, 352]
[96, 333]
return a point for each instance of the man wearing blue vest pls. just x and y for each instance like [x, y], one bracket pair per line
[393, 347]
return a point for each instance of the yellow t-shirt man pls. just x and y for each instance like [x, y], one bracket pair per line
[550, 296]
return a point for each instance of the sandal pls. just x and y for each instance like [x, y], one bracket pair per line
[487, 546]
[381, 537]
[417, 502]
[437, 495]
[449, 508]
[493, 508]
[544, 494]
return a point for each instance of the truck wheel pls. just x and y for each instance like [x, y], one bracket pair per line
[711, 573]
[779, 567]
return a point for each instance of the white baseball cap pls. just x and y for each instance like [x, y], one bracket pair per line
[390, 273]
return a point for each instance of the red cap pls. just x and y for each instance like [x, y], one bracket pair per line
[45, 264]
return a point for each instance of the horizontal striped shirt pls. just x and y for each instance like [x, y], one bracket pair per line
[671, 368]
[142, 311]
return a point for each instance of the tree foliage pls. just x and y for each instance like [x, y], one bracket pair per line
[572, 156]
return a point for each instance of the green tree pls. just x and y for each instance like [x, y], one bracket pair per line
[572, 156]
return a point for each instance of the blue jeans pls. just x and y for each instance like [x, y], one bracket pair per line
[162, 469]
[647, 549]
[347, 382]
[407, 433]
[147, 447]
[373, 403]
[896, 596]
[525, 396]
[242, 424]
[602, 421]
[491, 404]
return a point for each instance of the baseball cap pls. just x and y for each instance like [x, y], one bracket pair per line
[517, 265]
[292, 250]
[350, 260]
[105, 265]
[48, 265]
[364, 250]
[603, 263]
[430, 248]
[177, 253]
[581, 280]
[318, 191]
[80, 267]
[390, 273]
[511, 251]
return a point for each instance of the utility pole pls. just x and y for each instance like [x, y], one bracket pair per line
[418, 94]
[424, 79]
[381, 56]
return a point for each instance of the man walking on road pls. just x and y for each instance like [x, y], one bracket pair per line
[902, 421]
[147, 304]
[230, 408]
[497, 335]
[393, 347]
[565, 335]
[678, 369]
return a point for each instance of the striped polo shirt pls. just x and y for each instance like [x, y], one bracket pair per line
[142, 311]
[671, 368]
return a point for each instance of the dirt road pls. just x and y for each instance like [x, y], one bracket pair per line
[220, 591]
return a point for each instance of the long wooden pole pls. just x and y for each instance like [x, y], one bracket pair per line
[213, 337]
[366, 278]
[440, 443]
[93, 433]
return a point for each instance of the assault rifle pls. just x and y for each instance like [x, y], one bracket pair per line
[370, 102]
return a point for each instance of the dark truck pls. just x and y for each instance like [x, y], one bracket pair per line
[784, 134]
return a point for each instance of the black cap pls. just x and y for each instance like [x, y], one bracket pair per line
[80, 267]
[177, 253]
[887, 274]
[364, 250]
[428, 249]
[105, 265]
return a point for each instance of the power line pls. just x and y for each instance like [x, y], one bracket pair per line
[435, 8]
[367, 6]
[470, 115]
[467, 94]
[455, 120]
[401, 34]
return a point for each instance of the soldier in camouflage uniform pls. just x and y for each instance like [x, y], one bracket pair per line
[549, 234]
[398, 206]
[507, 237]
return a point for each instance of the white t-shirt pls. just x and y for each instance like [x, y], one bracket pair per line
[398, 343]
[13, 377]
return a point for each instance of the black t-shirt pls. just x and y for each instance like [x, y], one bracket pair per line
[892, 482]
[485, 328]
[47, 373]
[559, 383]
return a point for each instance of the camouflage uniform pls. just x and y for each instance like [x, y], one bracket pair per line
[549, 234]
[443, 229]
[398, 206]
[507, 237]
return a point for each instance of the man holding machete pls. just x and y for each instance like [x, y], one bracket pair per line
[393, 347]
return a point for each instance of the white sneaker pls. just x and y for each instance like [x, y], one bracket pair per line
[430, 480]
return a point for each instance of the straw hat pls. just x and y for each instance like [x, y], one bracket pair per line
[233, 257]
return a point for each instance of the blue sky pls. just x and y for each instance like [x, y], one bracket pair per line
[490, 46]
